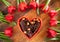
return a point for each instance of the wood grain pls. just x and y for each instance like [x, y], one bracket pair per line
[19, 37]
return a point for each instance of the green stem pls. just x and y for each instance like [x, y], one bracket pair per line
[3, 37]
[4, 21]
[57, 30]
[18, 1]
[23, 0]
[54, 39]
[58, 33]
[12, 24]
[6, 2]
[58, 22]
[57, 9]
[38, 11]
[47, 3]
[1, 32]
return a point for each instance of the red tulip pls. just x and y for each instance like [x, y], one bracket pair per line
[33, 5]
[51, 33]
[8, 31]
[42, 6]
[22, 6]
[52, 13]
[53, 22]
[11, 9]
[9, 18]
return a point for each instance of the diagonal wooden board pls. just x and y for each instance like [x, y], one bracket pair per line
[18, 35]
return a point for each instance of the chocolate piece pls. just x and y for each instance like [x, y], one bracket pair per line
[29, 28]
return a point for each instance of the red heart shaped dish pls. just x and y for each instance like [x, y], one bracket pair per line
[29, 27]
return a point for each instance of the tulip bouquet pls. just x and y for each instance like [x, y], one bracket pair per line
[7, 33]
[33, 4]
[22, 5]
[52, 33]
[10, 8]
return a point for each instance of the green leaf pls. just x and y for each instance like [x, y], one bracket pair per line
[5, 38]
[2, 19]
[1, 15]
[13, 24]
[6, 2]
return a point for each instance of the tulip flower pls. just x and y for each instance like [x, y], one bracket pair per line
[22, 5]
[53, 13]
[54, 22]
[45, 7]
[10, 8]
[9, 17]
[51, 33]
[8, 31]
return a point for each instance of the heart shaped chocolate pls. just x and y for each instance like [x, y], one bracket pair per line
[29, 28]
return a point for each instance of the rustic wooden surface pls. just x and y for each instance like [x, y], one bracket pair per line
[17, 35]
[37, 38]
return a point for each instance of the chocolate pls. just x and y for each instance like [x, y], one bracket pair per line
[29, 27]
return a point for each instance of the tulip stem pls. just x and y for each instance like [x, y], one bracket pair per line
[4, 21]
[57, 9]
[1, 32]
[23, 1]
[58, 33]
[6, 2]
[38, 11]
[47, 3]
[58, 22]
[18, 1]
[57, 30]
[32, 0]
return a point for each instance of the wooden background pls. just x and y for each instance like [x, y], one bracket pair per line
[17, 35]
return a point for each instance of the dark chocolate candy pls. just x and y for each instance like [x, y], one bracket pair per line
[29, 27]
